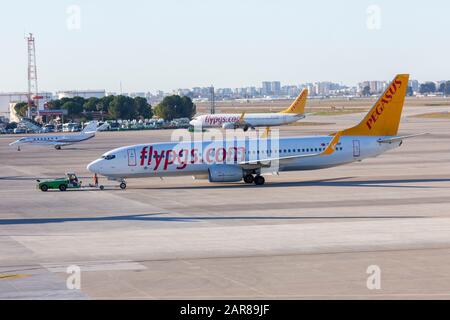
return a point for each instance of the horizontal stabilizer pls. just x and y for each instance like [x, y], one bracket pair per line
[401, 138]
[90, 128]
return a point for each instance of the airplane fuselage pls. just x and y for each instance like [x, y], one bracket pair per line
[196, 158]
[252, 119]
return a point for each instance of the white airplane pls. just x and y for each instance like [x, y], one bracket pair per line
[253, 120]
[237, 160]
[61, 140]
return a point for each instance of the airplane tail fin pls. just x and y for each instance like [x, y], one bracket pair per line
[298, 107]
[90, 128]
[384, 117]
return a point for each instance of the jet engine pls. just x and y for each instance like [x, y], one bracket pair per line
[229, 125]
[225, 173]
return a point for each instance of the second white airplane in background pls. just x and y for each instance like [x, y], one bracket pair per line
[253, 120]
[60, 140]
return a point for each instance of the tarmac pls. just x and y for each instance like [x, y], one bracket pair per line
[304, 235]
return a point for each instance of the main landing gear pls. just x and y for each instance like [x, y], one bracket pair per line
[123, 185]
[58, 147]
[257, 180]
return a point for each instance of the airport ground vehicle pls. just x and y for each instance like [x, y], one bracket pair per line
[62, 184]
[71, 127]
[49, 128]
[69, 182]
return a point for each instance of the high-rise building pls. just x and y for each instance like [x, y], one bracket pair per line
[323, 88]
[275, 88]
[414, 84]
[266, 89]
[376, 87]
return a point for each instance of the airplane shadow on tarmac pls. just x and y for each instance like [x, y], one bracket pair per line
[158, 218]
[337, 182]
[25, 178]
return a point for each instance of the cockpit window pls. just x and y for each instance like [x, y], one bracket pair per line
[109, 157]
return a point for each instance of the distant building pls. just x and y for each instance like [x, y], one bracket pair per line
[137, 94]
[182, 92]
[266, 89]
[81, 93]
[8, 98]
[275, 88]
[439, 83]
[251, 91]
[376, 87]
[322, 88]
[290, 91]
[415, 85]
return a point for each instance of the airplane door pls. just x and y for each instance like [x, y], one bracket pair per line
[356, 148]
[131, 158]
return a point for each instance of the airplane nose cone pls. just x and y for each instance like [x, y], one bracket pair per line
[195, 123]
[94, 167]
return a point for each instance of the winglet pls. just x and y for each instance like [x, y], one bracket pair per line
[241, 120]
[332, 146]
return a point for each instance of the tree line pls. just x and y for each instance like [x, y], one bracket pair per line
[119, 107]
[430, 87]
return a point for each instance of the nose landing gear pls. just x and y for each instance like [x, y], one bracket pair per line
[123, 185]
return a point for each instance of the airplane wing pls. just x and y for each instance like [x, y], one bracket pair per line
[241, 123]
[266, 162]
[401, 138]
[238, 124]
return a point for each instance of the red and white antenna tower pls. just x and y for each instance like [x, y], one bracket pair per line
[32, 76]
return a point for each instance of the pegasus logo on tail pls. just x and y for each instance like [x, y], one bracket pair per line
[383, 103]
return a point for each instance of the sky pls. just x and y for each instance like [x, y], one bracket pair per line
[151, 45]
